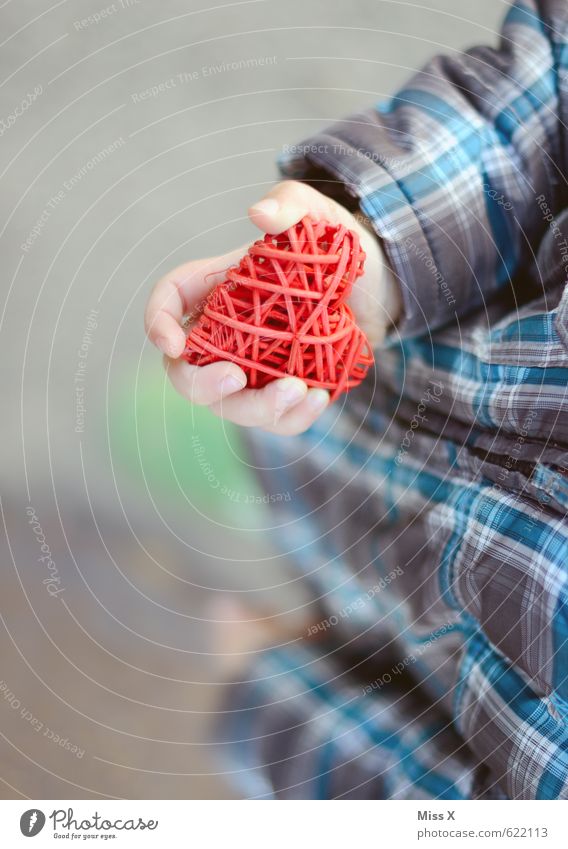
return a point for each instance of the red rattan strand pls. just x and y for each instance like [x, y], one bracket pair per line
[282, 311]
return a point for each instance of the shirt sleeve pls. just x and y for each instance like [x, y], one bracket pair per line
[457, 172]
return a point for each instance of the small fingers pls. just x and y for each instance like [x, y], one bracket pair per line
[205, 385]
[183, 291]
[288, 202]
[262, 407]
[302, 416]
[167, 335]
[163, 317]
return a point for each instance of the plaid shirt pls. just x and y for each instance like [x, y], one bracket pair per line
[428, 512]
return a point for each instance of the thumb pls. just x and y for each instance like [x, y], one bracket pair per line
[288, 202]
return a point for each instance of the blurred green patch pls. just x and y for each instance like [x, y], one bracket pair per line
[177, 450]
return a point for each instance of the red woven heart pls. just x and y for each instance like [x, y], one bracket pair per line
[282, 311]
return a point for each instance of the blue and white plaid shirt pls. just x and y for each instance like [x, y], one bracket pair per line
[429, 509]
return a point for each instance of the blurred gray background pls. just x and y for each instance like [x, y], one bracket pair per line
[133, 136]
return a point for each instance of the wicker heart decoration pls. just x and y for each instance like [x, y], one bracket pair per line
[282, 311]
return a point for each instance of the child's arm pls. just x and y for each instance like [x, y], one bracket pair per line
[285, 406]
[449, 175]
[450, 171]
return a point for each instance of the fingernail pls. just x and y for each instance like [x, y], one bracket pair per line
[318, 399]
[290, 392]
[268, 206]
[231, 384]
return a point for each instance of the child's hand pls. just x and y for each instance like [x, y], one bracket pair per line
[285, 406]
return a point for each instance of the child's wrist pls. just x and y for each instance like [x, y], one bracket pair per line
[393, 295]
[391, 301]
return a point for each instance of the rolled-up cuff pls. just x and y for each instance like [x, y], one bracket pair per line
[360, 178]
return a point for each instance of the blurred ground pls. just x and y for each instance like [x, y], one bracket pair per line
[132, 141]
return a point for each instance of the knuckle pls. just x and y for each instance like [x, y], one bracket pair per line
[260, 413]
[198, 395]
[333, 210]
[193, 389]
[292, 187]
